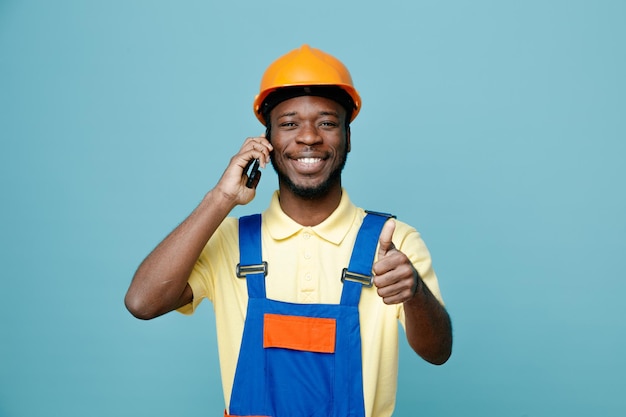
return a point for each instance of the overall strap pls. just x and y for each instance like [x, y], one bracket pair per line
[251, 265]
[359, 271]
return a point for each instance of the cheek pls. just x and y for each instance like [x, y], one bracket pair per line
[278, 139]
[344, 145]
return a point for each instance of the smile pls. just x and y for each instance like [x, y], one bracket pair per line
[309, 161]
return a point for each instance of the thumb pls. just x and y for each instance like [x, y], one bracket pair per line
[384, 241]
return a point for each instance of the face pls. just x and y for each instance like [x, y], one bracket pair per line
[311, 143]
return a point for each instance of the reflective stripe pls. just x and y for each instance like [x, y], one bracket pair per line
[312, 334]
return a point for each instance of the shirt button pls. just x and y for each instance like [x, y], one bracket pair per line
[307, 277]
[306, 235]
[307, 255]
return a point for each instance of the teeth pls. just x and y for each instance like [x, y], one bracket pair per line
[309, 160]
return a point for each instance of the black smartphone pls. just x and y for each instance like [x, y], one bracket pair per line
[253, 174]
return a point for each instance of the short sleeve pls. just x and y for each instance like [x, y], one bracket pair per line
[218, 259]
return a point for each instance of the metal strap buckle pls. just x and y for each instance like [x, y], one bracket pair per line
[243, 270]
[365, 280]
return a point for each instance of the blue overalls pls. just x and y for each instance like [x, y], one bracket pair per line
[301, 360]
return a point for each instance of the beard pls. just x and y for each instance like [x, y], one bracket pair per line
[311, 192]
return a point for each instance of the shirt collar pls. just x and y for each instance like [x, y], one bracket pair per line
[333, 229]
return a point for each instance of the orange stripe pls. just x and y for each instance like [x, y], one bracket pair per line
[312, 334]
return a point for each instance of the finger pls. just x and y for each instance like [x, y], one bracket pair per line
[261, 148]
[384, 241]
[392, 268]
[393, 292]
[390, 291]
[258, 140]
[247, 157]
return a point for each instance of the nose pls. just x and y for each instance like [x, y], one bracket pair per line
[309, 135]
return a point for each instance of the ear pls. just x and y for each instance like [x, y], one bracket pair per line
[348, 139]
[268, 132]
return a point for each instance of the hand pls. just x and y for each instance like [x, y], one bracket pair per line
[395, 277]
[232, 185]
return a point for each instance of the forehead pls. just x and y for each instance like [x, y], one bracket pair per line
[308, 105]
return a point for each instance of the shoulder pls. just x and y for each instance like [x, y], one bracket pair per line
[403, 230]
[226, 234]
[407, 239]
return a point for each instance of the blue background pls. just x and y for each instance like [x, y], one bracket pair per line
[497, 128]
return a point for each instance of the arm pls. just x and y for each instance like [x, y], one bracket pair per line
[428, 327]
[160, 283]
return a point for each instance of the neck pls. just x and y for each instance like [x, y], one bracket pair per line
[309, 212]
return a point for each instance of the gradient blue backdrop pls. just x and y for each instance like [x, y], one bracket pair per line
[497, 128]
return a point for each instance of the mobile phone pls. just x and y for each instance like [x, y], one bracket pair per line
[254, 173]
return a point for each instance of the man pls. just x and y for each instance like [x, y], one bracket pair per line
[307, 296]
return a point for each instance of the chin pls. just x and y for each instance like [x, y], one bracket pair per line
[312, 191]
[309, 191]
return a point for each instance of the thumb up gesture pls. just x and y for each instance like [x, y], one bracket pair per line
[394, 275]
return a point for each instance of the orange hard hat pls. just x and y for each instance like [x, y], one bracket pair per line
[305, 67]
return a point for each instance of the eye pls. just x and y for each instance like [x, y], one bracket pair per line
[329, 124]
[288, 125]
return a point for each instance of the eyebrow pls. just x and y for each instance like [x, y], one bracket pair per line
[322, 113]
[286, 114]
